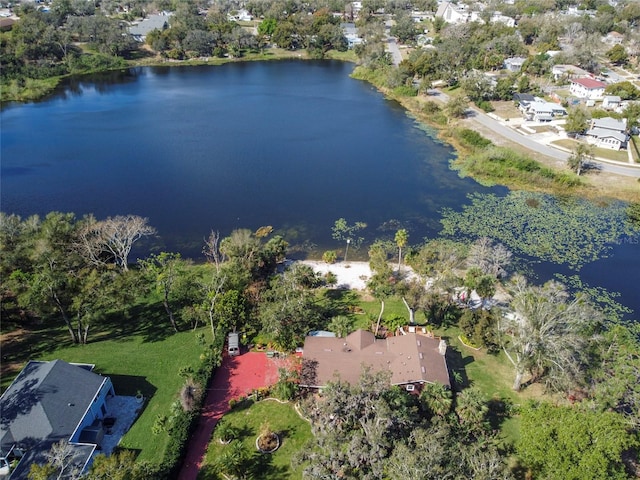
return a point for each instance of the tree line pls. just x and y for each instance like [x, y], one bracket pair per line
[75, 272]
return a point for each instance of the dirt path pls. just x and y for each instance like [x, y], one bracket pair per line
[236, 376]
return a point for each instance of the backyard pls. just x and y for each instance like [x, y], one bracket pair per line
[247, 418]
[140, 354]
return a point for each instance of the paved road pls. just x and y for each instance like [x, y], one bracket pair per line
[559, 155]
[392, 44]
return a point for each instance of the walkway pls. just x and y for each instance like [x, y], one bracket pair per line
[236, 376]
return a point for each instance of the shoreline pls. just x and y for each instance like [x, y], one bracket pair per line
[609, 185]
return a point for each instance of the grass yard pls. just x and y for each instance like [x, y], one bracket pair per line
[149, 367]
[139, 352]
[506, 109]
[606, 153]
[294, 433]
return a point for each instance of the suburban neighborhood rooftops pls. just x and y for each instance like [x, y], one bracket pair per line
[411, 358]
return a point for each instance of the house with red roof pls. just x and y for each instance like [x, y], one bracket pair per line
[588, 88]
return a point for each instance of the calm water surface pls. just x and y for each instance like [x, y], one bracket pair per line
[295, 145]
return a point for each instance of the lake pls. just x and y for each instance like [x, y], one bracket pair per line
[291, 144]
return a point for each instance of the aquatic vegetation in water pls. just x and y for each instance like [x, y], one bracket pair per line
[570, 231]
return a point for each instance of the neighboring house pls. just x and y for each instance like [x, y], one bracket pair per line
[351, 34]
[452, 13]
[49, 402]
[498, 17]
[523, 98]
[412, 358]
[568, 71]
[608, 132]
[159, 21]
[588, 88]
[241, 15]
[611, 102]
[538, 109]
[514, 64]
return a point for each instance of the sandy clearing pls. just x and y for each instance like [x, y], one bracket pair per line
[351, 275]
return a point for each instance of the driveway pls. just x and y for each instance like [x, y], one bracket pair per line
[235, 377]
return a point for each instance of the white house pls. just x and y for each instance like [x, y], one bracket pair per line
[608, 132]
[611, 102]
[588, 88]
[452, 13]
[498, 17]
[514, 64]
[569, 71]
[542, 111]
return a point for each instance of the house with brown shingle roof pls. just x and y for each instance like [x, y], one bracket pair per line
[411, 358]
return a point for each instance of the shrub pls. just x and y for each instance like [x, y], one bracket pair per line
[471, 138]
[485, 106]
[330, 256]
[405, 91]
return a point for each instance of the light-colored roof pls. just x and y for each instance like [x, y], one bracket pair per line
[611, 98]
[609, 123]
[410, 358]
[602, 133]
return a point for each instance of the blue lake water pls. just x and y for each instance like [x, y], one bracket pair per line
[294, 145]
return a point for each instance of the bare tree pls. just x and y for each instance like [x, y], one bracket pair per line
[491, 258]
[60, 464]
[211, 249]
[546, 333]
[111, 240]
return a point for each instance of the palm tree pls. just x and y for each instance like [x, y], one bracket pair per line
[437, 398]
[233, 461]
[402, 237]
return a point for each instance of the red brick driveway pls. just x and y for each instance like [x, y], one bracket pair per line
[236, 376]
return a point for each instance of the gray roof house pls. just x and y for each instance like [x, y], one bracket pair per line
[158, 21]
[46, 403]
[608, 132]
[412, 359]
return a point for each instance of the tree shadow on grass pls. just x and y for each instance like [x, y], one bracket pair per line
[260, 465]
[457, 362]
[148, 320]
[340, 302]
[499, 411]
[209, 472]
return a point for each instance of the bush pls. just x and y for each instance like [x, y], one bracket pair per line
[471, 138]
[330, 256]
[485, 106]
[431, 107]
[405, 91]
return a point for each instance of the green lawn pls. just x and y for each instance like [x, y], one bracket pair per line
[151, 367]
[617, 155]
[294, 433]
[138, 351]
